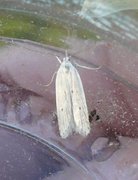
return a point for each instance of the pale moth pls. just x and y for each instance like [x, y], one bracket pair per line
[72, 112]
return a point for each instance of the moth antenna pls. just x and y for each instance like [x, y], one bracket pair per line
[85, 67]
[51, 80]
[59, 60]
[66, 55]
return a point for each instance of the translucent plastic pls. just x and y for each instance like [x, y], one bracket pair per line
[32, 34]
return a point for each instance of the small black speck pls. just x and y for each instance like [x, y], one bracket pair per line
[93, 113]
[72, 91]
[79, 108]
[97, 117]
[93, 116]
[61, 109]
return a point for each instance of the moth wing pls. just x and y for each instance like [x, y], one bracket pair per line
[64, 104]
[80, 111]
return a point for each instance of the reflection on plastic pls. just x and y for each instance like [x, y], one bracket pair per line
[25, 156]
[101, 8]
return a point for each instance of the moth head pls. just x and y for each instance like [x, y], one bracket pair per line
[67, 66]
[67, 58]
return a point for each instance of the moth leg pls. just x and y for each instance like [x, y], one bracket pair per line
[54, 120]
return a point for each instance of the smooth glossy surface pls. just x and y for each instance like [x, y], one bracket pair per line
[110, 150]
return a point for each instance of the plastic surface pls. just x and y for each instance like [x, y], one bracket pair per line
[32, 34]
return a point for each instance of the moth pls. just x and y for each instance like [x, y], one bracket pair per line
[72, 111]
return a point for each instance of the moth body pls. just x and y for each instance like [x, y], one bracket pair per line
[72, 112]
